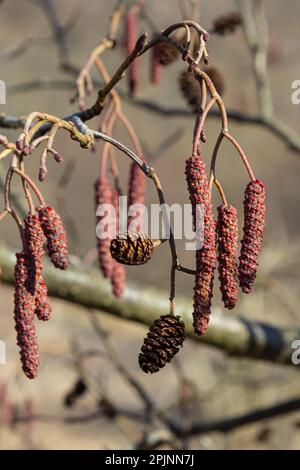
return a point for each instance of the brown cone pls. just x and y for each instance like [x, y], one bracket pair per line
[162, 342]
[135, 249]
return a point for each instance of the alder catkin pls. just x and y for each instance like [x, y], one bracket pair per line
[205, 256]
[131, 31]
[254, 224]
[24, 308]
[118, 276]
[136, 193]
[227, 231]
[43, 307]
[56, 236]
[103, 195]
[162, 342]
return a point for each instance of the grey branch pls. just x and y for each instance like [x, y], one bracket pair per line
[237, 336]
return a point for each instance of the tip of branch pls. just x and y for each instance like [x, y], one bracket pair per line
[140, 43]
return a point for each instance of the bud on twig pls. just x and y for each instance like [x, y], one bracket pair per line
[162, 342]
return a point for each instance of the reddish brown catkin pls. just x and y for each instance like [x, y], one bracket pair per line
[254, 224]
[206, 256]
[227, 230]
[136, 193]
[43, 307]
[56, 236]
[24, 319]
[131, 30]
[118, 277]
[35, 240]
[103, 195]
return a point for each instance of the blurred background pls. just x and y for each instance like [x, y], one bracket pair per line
[43, 46]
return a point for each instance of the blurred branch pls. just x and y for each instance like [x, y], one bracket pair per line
[236, 336]
[59, 31]
[287, 135]
[59, 34]
[256, 33]
[229, 424]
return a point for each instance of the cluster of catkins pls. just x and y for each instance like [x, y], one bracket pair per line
[42, 229]
[220, 242]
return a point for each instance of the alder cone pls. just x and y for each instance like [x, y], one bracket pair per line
[24, 313]
[134, 250]
[227, 230]
[162, 342]
[166, 53]
[191, 89]
[56, 236]
[254, 225]
[216, 77]
[227, 24]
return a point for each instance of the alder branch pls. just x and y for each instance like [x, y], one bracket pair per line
[282, 131]
[237, 336]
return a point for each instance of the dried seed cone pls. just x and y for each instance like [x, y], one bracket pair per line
[166, 53]
[162, 342]
[216, 77]
[190, 89]
[43, 307]
[227, 24]
[136, 190]
[206, 256]
[56, 236]
[227, 230]
[103, 195]
[24, 307]
[134, 250]
[254, 224]
[118, 277]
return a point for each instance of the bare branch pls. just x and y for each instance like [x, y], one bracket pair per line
[236, 336]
